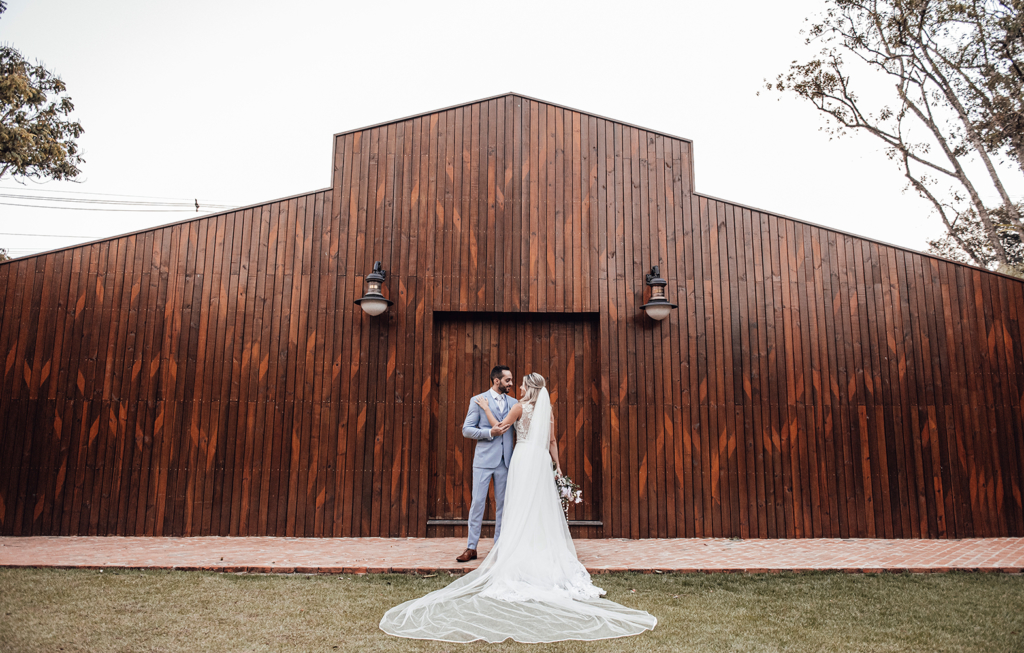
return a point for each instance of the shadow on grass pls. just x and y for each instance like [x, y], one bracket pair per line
[81, 610]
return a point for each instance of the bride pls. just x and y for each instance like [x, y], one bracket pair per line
[530, 587]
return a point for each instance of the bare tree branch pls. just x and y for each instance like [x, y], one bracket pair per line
[956, 69]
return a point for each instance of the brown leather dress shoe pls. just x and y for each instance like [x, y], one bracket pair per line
[467, 555]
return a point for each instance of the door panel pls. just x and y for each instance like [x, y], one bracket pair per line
[564, 350]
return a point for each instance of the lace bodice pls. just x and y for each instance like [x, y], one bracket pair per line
[523, 423]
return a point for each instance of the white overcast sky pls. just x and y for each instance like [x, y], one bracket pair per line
[236, 102]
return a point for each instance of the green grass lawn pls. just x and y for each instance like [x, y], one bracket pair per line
[80, 610]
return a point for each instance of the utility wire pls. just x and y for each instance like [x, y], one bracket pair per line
[76, 192]
[48, 235]
[81, 200]
[82, 208]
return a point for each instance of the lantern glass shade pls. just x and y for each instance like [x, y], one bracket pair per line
[658, 311]
[658, 308]
[374, 306]
[374, 302]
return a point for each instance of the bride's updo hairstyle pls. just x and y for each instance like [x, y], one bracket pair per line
[534, 384]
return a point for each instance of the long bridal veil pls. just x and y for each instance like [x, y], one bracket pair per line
[531, 587]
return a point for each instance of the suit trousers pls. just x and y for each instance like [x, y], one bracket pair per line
[481, 479]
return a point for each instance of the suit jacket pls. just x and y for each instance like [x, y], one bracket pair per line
[489, 451]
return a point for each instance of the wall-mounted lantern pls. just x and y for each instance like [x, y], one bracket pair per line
[659, 307]
[373, 302]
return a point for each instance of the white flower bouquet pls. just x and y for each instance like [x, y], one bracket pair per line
[568, 492]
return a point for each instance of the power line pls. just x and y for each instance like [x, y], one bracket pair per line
[78, 208]
[48, 235]
[76, 192]
[82, 200]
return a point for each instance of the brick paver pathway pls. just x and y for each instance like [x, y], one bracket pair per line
[380, 555]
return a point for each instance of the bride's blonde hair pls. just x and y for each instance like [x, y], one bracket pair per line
[534, 384]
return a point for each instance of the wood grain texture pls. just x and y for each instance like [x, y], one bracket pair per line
[213, 377]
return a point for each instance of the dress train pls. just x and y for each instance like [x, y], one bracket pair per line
[531, 587]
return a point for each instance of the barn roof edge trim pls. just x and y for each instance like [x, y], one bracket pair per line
[853, 235]
[513, 94]
[698, 194]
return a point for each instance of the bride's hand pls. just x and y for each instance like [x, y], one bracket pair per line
[482, 403]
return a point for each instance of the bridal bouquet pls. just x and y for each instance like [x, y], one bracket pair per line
[568, 492]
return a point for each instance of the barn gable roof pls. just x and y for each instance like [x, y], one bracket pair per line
[519, 95]
[512, 94]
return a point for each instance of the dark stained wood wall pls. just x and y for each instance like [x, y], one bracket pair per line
[214, 377]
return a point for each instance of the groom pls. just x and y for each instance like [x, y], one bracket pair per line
[492, 456]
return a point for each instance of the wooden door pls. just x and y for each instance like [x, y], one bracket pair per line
[564, 350]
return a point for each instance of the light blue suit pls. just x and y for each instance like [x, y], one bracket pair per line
[490, 460]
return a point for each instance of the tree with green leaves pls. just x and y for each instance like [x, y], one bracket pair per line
[37, 136]
[953, 121]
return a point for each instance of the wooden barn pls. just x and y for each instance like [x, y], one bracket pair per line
[216, 377]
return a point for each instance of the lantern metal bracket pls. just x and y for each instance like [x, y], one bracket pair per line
[654, 274]
[658, 307]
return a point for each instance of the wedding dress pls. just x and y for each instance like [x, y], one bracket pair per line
[531, 587]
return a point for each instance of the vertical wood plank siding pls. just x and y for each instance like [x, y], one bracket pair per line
[213, 377]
